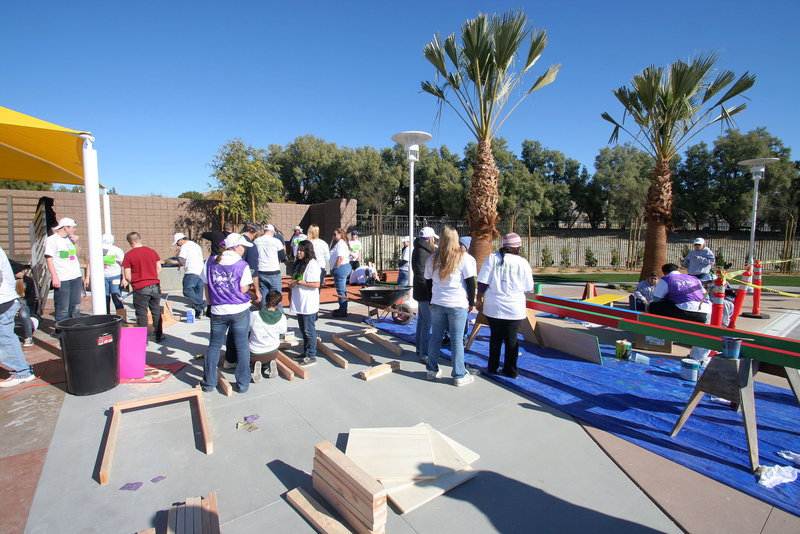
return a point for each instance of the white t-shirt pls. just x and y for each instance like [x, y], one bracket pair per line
[7, 281]
[230, 257]
[508, 283]
[321, 251]
[451, 292]
[193, 254]
[296, 239]
[355, 250]
[404, 257]
[305, 300]
[112, 258]
[360, 275]
[339, 250]
[65, 257]
[268, 247]
[265, 337]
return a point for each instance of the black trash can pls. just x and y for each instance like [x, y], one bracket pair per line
[90, 348]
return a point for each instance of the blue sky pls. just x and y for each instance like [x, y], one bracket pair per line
[162, 85]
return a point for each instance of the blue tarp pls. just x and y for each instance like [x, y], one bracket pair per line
[641, 403]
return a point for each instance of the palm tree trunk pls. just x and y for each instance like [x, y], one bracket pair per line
[482, 205]
[658, 216]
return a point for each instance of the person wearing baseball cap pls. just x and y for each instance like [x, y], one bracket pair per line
[228, 279]
[424, 245]
[61, 256]
[190, 257]
[270, 250]
[355, 250]
[503, 280]
[402, 272]
[699, 261]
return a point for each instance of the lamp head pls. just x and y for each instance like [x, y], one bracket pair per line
[411, 140]
[757, 166]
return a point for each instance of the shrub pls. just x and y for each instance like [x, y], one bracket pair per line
[590, 261]
[685, 250]
[615, 261]
[547, 257]
[566, 251]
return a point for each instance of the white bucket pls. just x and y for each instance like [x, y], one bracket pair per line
[690, 369]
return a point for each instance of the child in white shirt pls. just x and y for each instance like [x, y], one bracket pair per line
[266, 328]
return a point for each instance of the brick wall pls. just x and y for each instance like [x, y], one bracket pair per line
[158, 218]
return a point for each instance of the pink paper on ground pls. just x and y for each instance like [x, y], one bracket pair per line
[132, 349]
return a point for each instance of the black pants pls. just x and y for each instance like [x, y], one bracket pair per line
[148, 298]
[503, 331]
[669, 309]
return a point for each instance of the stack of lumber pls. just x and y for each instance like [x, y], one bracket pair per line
[358, 497]
[415, 464]
[195, 516]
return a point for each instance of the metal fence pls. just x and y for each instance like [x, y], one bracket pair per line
[569, 247]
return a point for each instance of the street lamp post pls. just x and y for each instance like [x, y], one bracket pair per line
[757, 168]
[411, 140]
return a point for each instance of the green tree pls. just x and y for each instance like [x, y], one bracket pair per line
[369, 179]
[310, 169]
[476, 77]
[559, 175]
[622, 173]
[668, 107]
[696, 199]
[246, 178]
[440, 187]
[25, 186]
[193, 195]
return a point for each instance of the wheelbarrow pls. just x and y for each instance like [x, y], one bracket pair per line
[385, 300]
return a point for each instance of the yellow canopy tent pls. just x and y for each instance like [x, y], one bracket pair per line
[34, 150]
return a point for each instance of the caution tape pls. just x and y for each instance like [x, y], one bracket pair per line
[729, 278]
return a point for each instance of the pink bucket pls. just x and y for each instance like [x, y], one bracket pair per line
[132, 350]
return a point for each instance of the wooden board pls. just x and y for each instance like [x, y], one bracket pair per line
[353, 519]
[394, 349]
[116, 414]
[332, 356]
[284, 371]
[412, 496]
[315, 513]
[298, 370]
[480, 321]
[388, 453]
[223, 383]
[353, 349]
[605, 300]
[528, 329]
[359, 503]
[362, 332]
[579, 344]
[379, 370]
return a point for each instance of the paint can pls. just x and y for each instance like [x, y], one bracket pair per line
[623, 351]
[731, 347]
[190, 316]
[690, 369]
[537, 288]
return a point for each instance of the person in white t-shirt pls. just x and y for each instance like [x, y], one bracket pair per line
[363, 275]
[322, 252]
[11, 355]
[305, 299]
[340, 269]
[266, 328]
[450, 272]
[402, 272]
[355, 250]
[269, 250]
[112, 272]
[503, 280]
[191, 259]
[61, 256]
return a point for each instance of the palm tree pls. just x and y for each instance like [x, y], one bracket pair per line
[669, 107]
[476, 78]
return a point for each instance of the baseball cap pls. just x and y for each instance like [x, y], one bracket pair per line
[406, 239]
[108, 239]
[298, 228]
[249, 227]
[66, 221]
[512, 240]
[236, 240]
[427, 232]
[177, 237]
[699, 241]
[269, 228]
[354, 232]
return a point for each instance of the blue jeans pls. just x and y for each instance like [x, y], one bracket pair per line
[239, 324]
[113, 292]
[423, 328]
[194, 291]
[269, 282]
[340, 276]
[441, 318]
[25, 319]
[322, 273]
[402, 278]
[308, 328]
[67, 299]
[10, 350]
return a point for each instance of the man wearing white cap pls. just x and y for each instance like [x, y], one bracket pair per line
[112, 272]
[699, 262]
[402, 273]
[424, 246]
[61, 256]
[191, 258]
[269, 264]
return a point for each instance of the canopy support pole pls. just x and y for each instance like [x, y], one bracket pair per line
[91, 186]
[106, 212]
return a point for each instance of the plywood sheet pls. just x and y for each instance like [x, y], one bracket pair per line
[390, 453]
[411, 496]
[584, 346]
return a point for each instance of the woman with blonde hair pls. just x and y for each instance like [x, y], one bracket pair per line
[450, 274]
[340, 268]
[321, 251]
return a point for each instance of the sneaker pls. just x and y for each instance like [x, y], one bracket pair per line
[228, 365]
[273, 370]
[160, 338]
[256, 376]
[464, 380]
[423, 359]
[28, 342]
[298, 359]
[13, 380]
[510, 373]
[433, 375]
[308, 361]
